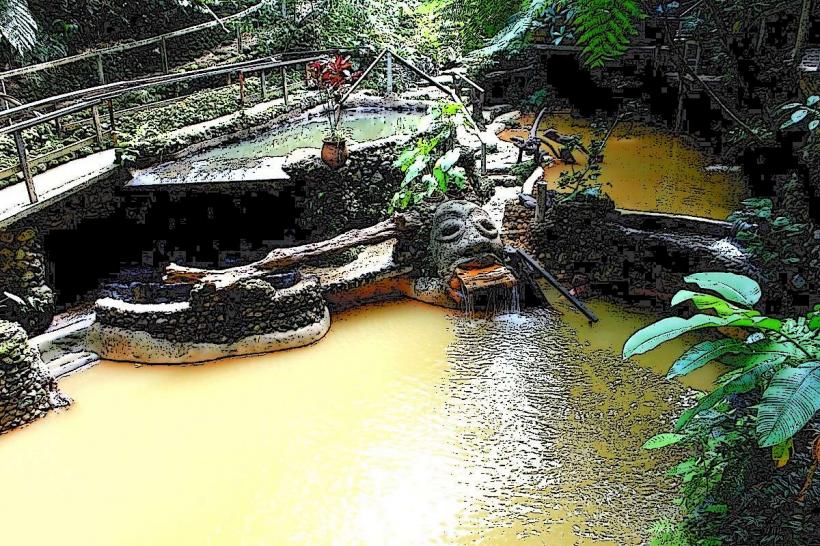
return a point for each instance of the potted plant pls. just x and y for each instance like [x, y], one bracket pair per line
[331, 77]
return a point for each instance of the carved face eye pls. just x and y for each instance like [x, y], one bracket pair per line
[487, 228]
[450, 230]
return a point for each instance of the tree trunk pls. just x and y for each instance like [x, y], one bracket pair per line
[283, 258]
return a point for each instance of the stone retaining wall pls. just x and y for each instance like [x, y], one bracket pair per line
[585, 245]
[27, 390]
[221, 316]
[22, 273]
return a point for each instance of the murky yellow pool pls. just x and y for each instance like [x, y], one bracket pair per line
[651, 170]
[406, 425]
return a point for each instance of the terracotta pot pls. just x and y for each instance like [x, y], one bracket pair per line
[334, 153]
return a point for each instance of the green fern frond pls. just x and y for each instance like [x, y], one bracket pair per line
[17, 25]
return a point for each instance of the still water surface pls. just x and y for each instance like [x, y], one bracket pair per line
[406, 425]
[650, 170]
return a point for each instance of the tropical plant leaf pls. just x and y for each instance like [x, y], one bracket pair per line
[790, 401]
[741, 382]
[703, 353]
[659, 332]
[449, 159]
[17, 25]
[663, 440]
[735, 288]
[706, 302]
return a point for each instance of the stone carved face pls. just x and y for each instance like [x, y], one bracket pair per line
[463, 234]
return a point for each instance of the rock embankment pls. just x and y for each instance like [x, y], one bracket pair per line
[27, 390]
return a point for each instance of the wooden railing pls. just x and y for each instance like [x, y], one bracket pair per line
[92, 98]
[26, 116]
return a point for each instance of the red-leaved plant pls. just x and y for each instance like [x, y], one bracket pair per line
[331, 77]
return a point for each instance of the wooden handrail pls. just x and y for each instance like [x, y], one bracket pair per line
[130, 45]
[113, 90]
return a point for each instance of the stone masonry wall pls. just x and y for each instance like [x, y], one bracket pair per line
[22, 273]
[221, 316]
[27, 391]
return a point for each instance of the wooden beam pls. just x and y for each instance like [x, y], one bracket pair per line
[24, 166]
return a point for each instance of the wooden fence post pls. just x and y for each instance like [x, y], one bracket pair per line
[389, 73]
[3, 89]
[95, 116]
[21, 155]
[541, 204]
[163, 51]
[264, 81]
[112, 122]
[285, 86]
[238, 39]
[242, 88]
[100, 70]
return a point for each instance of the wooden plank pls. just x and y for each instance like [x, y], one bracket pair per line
[24, 166]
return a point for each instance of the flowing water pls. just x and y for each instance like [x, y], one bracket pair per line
[406, 425]
[650, 170]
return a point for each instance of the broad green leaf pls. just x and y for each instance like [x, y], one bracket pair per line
[791, 105]
[814, 124]
[663, 440]
[705, 302]
[812, 100]
[405, 159]
[703, 353]
[653, 335]
[659, 332]
[798, 115]
[790, 401]
[448, 160]
[415, 169]
[15, 298]
[744, 382]
[735, 288]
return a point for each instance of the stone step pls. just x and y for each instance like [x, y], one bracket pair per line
[503, 180]
[71, 362]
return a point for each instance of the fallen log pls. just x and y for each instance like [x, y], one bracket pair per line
[283, 258]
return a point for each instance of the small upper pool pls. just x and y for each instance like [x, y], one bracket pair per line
[262, 157]
[360, 125]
